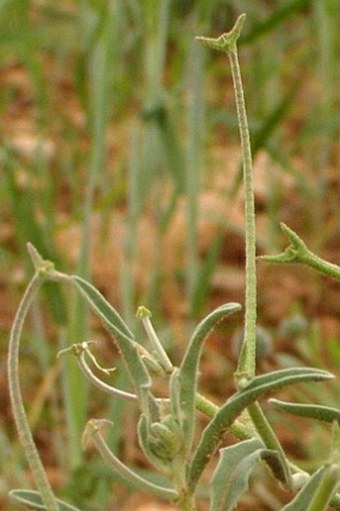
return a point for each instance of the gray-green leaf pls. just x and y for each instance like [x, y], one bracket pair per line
[230, 479]
[32, 499]
[120, 331]
[311, 411]
[303, 501]
[187, 374]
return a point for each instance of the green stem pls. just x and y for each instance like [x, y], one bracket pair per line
[298, 252]
[186, 499]
[208, 408]
[187, 503]
[322, 266]
[246, 367]
[19, 413]
[247, 361]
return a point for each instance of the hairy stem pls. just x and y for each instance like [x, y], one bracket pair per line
[19, 413]
[298, 252]
[246, 366]
[228, 44]
[208, 408]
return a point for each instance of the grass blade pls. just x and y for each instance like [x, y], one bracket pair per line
[274, 20]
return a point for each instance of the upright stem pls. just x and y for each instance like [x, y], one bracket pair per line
[246, 367]
[186, 500]
[227, 43]
[19, 413]
[187, 504]
[247, 360]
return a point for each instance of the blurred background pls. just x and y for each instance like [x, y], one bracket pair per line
[120, 161]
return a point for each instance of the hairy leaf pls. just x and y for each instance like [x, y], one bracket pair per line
[286, 375]
[312, 411]
[174, 393]
[120, 331]
[187, 375]
[308, 497]
[230, 479]
[97, 300]
[259, 386]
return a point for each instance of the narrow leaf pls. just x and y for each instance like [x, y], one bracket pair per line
[312, 411]
[230, 479]
[223, 419]
[295, 373]
[117, 327]
[187, 376]
[97, 299]
[32, 499]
